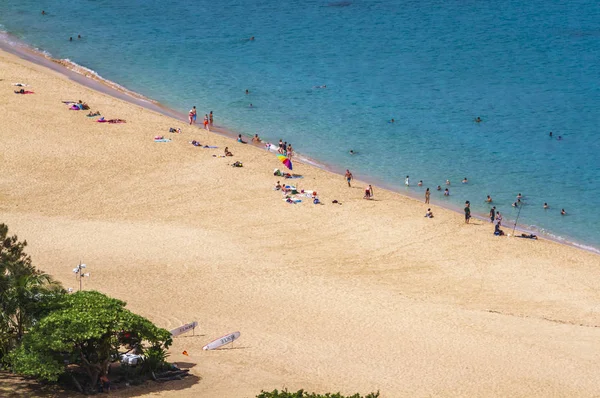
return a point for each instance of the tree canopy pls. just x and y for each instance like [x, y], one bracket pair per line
[87, 328]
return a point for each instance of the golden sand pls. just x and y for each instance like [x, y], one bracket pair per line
[358, 297]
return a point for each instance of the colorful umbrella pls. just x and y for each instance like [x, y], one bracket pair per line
[285, 161]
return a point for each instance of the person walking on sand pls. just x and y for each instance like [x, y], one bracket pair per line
[427, 195]
[349, 177]
[492, 214]
[467, 211]
[206, 122]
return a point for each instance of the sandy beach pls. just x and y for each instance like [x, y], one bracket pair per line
[357, 297]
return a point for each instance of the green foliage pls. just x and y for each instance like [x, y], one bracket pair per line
[304, 394]
[155, 359]
[86, 329]
[23, 291]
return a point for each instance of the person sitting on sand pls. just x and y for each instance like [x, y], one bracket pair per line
[196, 143]
[497, 230]
[227, 153]
[277, 186]
[256, 138]
[21, 91]
[429, 214]
[240, 140]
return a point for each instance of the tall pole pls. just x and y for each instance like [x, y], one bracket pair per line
[518, 214]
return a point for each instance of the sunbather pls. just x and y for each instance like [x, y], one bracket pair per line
[227, 153]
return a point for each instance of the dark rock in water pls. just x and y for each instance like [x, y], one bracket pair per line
[339, 4]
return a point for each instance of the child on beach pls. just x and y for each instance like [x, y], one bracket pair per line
[206, 122]
[429, 214]
[192, 115]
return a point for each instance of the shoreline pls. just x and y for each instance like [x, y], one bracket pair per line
[354, 297]
[93, 80]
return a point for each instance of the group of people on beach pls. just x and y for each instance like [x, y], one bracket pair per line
[208, 118]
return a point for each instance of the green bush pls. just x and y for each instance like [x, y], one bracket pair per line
[304, 394]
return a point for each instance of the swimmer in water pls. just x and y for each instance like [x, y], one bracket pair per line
[392, 121]
[477, 119]
[439, 188]
[559, 138]
[250, 106]
[446, 192]
[420, 183]
[79, 36]
[447, 182]
[515, 204]
[563, 212]
[519, 196]
[488, 199]
[247, 91]
[352, 152]
[545, 206]
[551, 134]
[70, 39]
[43, 12]
[251, 38]
[464, 181]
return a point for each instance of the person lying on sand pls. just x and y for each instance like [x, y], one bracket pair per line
[227, 153]
[90, 114]
[174, 130]
[23, 91]
[195, 143]
[116, 121]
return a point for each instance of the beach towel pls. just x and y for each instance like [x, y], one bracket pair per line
[293, 176]
[292, 200]
[209, 147]
[20, 84]
[102, 120]
[162, 140]
[93, 115]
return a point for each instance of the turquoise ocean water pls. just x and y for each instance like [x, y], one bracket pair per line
[525, 67]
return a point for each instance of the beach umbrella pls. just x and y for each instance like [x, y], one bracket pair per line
[285, 161]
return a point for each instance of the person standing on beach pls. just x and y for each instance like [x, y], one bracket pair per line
[499, 219]
[192, 115]
[210, 117]
[427, 195]
[492, 214]
[349, 177]
[407, 181]
[467, 211]
[206, 122]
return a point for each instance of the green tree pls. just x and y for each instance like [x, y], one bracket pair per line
[23, 291]
[86, 329]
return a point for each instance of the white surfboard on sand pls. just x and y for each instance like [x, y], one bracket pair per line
[221, 341]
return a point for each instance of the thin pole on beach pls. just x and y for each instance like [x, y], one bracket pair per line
[518, 214]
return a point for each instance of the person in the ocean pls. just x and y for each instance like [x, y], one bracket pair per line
[352, 152]
[392, 121]
[546, 206]
[563, 212]
[407, 181]
[551, 134]
[446, 192]
[488, 199]
[447, 182]
[439, 188]
[247, 91]
[477, 119]
[43, 12]
[465, 181]
[420, 183]
[79, 36]
[559, 138]
[251, 38]
[250, 106]
[70, 39]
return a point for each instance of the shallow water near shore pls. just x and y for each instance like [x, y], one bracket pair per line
[525, 69]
